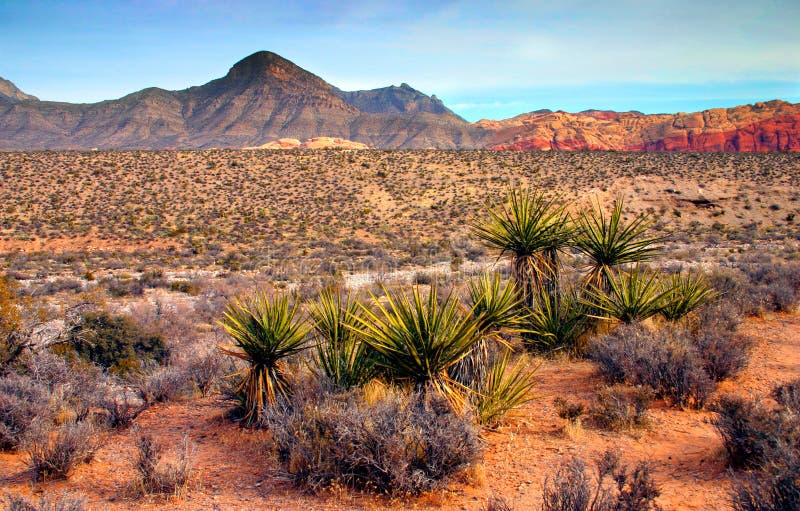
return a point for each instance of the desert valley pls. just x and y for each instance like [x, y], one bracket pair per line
[265, 292]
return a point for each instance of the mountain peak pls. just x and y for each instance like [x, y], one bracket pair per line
[10, 92]
[265, 63]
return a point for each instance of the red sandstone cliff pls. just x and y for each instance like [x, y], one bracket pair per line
[771, 126]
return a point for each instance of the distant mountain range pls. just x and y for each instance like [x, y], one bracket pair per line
[265, 97]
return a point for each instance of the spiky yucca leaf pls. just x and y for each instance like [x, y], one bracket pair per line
[531, 229]
[265, 332]
[633, 296]
[340, 354]
[557, 321]
[685, 294]
[419, 339]
[503, 389]
[609, 243]
[495, 305]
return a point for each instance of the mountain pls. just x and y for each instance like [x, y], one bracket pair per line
[770, 126]
[264, 98]
[394, 100]
[10, 92]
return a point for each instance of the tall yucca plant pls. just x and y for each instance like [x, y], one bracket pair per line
[530, 229]
[610, 243]
[632, 296]
[685, 294]
[340, 354]
[265, 332]
[418, 339]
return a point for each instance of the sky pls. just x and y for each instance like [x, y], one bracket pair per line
[483, 59]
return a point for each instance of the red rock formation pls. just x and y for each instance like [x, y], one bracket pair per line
[772, 126]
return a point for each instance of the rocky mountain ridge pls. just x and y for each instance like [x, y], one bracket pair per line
[265, 98]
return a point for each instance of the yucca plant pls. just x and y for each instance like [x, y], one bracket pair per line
[495, 305]
[506, 386]
[418, 339]
[632, 296]
[610, 243]
[340, 354]
[530, 229]
[265, 333]
[556, 322]
[685, 294]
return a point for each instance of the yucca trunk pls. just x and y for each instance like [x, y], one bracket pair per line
[524, 273]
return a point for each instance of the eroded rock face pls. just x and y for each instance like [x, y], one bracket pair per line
[772, 126]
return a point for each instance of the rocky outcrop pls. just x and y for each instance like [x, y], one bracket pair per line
[771, 126]
[312, 143]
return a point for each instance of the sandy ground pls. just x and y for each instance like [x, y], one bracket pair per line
[235, 473]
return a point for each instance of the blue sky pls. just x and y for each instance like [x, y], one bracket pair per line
[484, 60]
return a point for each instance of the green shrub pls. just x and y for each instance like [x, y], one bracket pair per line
[116, 343]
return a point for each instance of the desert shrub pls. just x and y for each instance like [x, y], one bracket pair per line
[58, 285]
[777, 285]
[121, 408]
[723, 353]
[119, 287]
[115, 343]
[620, 407]
[776, 489]
[63, 503]
[75, 386]
[22, 401]
[758, 286]
[162, 383]
[398, 445]
[788, 395]
[570, 488]
[53, 455]
[156, 472]
[205, 371]
[153, 278]
[570, 412]
[664, 360]
[185, 286]
[721, 315]
[495, 503]
[753, 434]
